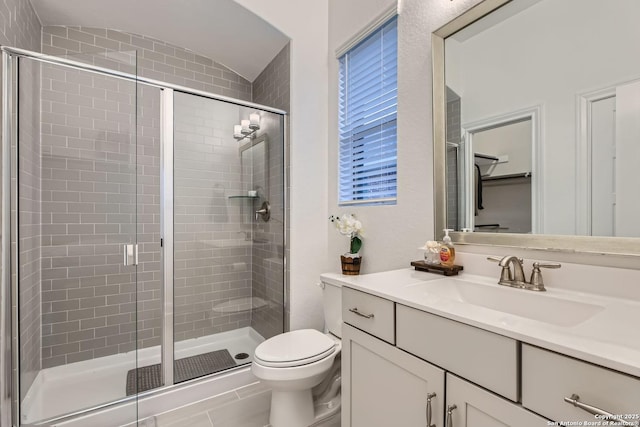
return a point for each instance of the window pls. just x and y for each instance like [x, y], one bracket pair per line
[367, 118]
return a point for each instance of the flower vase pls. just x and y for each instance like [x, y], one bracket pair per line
[351, 264]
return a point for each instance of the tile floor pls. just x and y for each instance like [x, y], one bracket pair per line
[244, 407]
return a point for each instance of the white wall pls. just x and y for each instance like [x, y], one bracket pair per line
[513, 141]
[305, 22]
[534, 58]
[346, 20]
[627, 181]
[392, 232]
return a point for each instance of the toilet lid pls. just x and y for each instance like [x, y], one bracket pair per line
[294, 348]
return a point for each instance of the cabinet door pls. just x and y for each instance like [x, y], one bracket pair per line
[476, 407]
[384, 386]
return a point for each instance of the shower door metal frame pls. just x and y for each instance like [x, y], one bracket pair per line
[9, 354]
[166, 234]
[9, 332]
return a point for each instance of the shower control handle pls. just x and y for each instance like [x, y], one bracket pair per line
[264, 212]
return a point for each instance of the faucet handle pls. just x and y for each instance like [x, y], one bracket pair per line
[505, 275]
[546, 265]
[536, 283]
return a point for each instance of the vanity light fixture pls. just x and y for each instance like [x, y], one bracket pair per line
[254, 121]
[247, 128]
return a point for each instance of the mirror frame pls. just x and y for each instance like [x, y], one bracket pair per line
[617, 246]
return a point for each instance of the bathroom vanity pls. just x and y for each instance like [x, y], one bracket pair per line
[423, 350]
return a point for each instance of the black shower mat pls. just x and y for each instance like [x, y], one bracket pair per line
[150, 377]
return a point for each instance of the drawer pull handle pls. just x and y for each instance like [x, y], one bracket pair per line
[574, 400]
[354, 310]
[429, 410]
[450, 409]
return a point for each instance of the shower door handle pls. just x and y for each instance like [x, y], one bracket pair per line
[130, 255]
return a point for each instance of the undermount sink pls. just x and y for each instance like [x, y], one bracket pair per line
[541, 307]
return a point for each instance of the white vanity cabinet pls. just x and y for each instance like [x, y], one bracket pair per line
[384, 386]
[395, 355]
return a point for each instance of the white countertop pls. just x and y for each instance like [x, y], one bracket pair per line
[609, 338]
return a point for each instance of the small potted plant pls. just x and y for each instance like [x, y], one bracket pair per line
[348, 225]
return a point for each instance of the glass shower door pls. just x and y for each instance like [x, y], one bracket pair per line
[77, 212]
[212, 238]
[228, 234]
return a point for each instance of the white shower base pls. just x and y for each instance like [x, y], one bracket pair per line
[76, 386]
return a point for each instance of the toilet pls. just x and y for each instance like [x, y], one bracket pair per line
[295, 362]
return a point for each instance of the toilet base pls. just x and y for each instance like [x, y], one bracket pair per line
[291, 408]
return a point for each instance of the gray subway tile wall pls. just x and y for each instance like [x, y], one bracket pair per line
[20, 27]
[86, 304]
[212, 260]
[29, 258]
[271, 88]
[453, 135]
[155, 58]
[149, 271]
[89, 206]
[100, 310]
[267, 267]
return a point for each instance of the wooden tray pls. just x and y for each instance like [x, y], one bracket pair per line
[447, 271]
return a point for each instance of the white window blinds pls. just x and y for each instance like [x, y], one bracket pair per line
[368, 111]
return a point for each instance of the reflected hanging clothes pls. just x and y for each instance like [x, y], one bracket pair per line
[478, 182]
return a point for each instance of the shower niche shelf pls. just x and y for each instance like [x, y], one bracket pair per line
[244, 197]
[240, 305]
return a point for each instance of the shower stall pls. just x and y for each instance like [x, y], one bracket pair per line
[142, 238]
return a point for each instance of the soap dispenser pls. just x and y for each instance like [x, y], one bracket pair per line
[447, 251]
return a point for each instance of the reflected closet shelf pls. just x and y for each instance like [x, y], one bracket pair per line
[485, 159]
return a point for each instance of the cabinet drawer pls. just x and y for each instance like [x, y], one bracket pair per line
[369, 313]
[485, 358]
[547, 378]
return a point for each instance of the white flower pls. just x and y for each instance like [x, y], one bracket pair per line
[347, 225]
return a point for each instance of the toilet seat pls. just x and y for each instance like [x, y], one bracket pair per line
[294, 348]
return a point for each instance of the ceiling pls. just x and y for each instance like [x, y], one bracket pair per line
[494, 18]
[219, 29]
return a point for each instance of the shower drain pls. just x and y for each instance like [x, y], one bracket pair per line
[241, 356]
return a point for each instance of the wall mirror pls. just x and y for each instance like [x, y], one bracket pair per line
[254, 159]
[254, 162]
[536, 125]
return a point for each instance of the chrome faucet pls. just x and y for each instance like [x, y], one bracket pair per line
[515, 277]
[508, 278]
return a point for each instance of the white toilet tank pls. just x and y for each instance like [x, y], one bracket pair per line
[332, 302]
